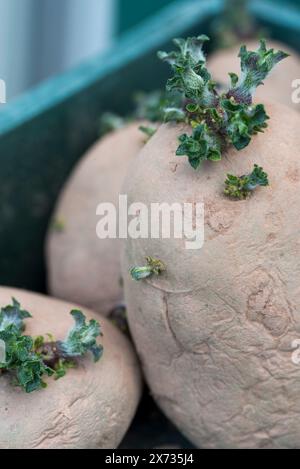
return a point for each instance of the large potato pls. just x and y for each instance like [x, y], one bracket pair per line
[91, 407]
[279, 87]
[81, 267]
[214, 331]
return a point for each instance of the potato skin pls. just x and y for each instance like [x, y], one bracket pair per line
[81, 267]
[91, 407]
[278, 85]
[214, 332]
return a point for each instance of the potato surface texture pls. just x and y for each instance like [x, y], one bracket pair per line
[91, 407]
[278, 85]
[215, 331]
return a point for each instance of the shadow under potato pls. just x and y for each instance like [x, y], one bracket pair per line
[151, 429]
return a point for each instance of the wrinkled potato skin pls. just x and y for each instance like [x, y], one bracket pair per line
[278, 85]
[82, 267]
[91, 407]
[214, 332]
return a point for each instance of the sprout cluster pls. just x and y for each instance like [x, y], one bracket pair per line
[153, 267]
[218, 119]
[240, 187]
[29, 360]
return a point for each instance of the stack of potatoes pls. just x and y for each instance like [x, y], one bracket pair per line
[213, 332]
[93, 406]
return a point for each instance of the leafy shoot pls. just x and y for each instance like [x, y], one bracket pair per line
[153, 267]
[29, 360]
[218, 119]
[240, 187]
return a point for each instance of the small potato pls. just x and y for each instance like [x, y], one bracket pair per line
[91, 407]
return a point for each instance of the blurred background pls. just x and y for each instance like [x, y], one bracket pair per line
[40, 38]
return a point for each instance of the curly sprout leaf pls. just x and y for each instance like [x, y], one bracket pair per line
[174, 114]
[255, 67]
[190, 50]
[191, 77]
[218, 119]
[29, 360]
[153, 267]
[81, 338]
[244, 122]
[148, 131]
[12, 316]
[239, 187]
[21, 359]
[200, 146]
[30, 372]
[61, 368]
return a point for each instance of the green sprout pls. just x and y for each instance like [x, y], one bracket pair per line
[81, 339]
[218, 119]
[12, 317]
[110, 122]
[240, 187]
[58, 225]
[29, 360]
[153, 267]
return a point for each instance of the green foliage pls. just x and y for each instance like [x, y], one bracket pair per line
[153, 267]
[218, 119]
[61, 368]
[255, 68]
[29, 360]
[81, 339]
[26, 365]
[191, 77]
[148, 131]
[12, 316]
[244, 122]
[239, 187]
[200, 146]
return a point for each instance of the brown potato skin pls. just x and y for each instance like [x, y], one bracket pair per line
[82, 267]
[278, 85]
[91, 407]
[214, 332]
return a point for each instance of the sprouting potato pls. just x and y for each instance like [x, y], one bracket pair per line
[216, 329]
[90, 407]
